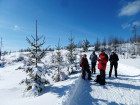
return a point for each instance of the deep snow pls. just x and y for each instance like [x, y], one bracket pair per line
[125, 90]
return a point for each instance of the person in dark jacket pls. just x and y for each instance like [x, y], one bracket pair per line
[85, 67]
[102, 59]
[93, 58]
[113, 62]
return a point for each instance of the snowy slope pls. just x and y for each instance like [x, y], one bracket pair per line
[124, 90]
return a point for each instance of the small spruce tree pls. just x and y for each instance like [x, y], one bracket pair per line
[59, 60]
[35, 81]
[71, 56]
[71, 48]
[85, 45]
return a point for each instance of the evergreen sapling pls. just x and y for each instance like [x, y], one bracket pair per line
[71, 56]
[35, 69]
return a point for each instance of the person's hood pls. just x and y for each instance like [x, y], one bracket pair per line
[103, 53]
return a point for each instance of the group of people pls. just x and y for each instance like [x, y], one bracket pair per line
[102, 62]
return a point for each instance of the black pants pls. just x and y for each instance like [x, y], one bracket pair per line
[93, 64]
[102, 73]
[111, 67]
[84, 73]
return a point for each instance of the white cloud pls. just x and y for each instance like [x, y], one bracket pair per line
[130, 9]
[126, 25]
[137, 23]
[16, 27]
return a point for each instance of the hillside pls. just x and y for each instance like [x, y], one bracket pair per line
[74, 91]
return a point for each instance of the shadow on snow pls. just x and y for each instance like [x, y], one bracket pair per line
[82, 96]
[59, 90]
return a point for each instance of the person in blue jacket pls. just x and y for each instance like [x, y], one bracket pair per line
[93, 58]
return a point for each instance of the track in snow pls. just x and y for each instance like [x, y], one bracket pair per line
[124, 90]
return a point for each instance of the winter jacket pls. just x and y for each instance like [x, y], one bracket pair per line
[93, 58]
[113, 58]
[84, 64]
[103, 59]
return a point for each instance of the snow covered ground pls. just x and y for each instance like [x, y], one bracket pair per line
[11, 92]
[125, 90]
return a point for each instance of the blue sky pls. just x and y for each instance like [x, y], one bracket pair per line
[87, 19]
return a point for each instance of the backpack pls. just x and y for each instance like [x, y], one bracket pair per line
[98, 78]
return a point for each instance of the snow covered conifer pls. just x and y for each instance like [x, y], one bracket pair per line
[71, 55]
[58, 59]
[71, 48]
[58, 74]
[34, 68]
[85, 45]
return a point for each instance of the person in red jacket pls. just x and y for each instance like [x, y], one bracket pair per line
[102, 59]
[85, 67]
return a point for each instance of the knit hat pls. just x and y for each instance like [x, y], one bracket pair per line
[112, 51]
[102, 50]
[84, 55]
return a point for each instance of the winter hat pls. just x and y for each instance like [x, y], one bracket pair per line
[93, 51]
[84, 55]
[102, 50]
[112, 51]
